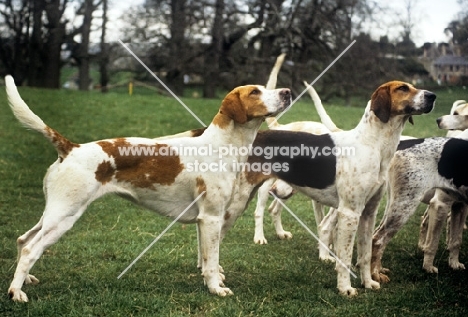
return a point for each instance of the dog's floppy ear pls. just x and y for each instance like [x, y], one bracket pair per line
[381, 103]
[233, 108]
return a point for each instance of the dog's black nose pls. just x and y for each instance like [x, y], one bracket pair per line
[430, 96]
[438, 120]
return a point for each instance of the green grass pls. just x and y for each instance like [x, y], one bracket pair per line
[284, 278]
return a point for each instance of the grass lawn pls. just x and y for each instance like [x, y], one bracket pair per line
[284, 278]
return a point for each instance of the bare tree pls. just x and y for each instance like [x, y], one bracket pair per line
[104, 57]
[214, 52]
[81, 54]
[14, 41]
[55, 37]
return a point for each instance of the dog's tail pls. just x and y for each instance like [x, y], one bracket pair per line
[32, 121]
[324, 117]
[271, 84]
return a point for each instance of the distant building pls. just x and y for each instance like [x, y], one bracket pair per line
[445, 63]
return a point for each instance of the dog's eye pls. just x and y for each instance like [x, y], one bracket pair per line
[255, 92]
[403, 88]
[456, 113]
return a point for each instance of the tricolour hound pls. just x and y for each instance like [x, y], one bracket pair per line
[443, 207]
[421, 166]
[351, 183]
[263, 192]
[160, 182]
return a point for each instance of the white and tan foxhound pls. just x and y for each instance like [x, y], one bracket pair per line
[161, 182]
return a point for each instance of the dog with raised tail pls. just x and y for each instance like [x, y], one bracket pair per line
[161, 181]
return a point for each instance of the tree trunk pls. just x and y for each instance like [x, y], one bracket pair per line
[104, 50]
[83, 51]
[53, 46]
[214, 53]
[36, 45]
[175, 75]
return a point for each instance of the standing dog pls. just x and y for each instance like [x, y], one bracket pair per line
[443, 207]
[264, 190]
[420, 166]
[161, 182]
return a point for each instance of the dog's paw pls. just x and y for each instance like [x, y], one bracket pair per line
[260, 240]
[372, 284]
[455, 265]
[380, 277]
[18, 295]
[348, 291]
[221, 291]
[327, 258]
[31, 279]
[284, 235]
[430, 269]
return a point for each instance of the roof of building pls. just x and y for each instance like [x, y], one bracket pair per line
[451, 60]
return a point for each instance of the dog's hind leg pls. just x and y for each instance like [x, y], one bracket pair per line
[275, 210]
[66, 202]
[399, 209]
[455, 235]
[24, 240]
[325, 231]
[262, 199]
[53, 227]
[438, 210]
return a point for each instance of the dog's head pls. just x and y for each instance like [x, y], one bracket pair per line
[245, 103]
[397, 98]
[453, 122]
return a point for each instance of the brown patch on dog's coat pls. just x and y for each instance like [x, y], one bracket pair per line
[201, 185]
[139, 170]
[62, 144]
[104, 172]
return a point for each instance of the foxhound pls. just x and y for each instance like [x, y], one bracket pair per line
[264, 191]
[420, 166]
[343, 182]
[440, 202]
[161, 182]
[443, 207]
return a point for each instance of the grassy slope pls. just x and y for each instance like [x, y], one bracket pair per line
[284, 278]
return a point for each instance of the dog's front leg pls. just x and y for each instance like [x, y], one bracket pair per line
[209, 227]
[364, 243]
[347, 226]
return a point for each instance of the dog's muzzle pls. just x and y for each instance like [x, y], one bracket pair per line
[429, 101]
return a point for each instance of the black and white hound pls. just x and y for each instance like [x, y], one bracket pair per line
[434, 171]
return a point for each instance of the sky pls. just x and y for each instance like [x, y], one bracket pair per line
[431, 17]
